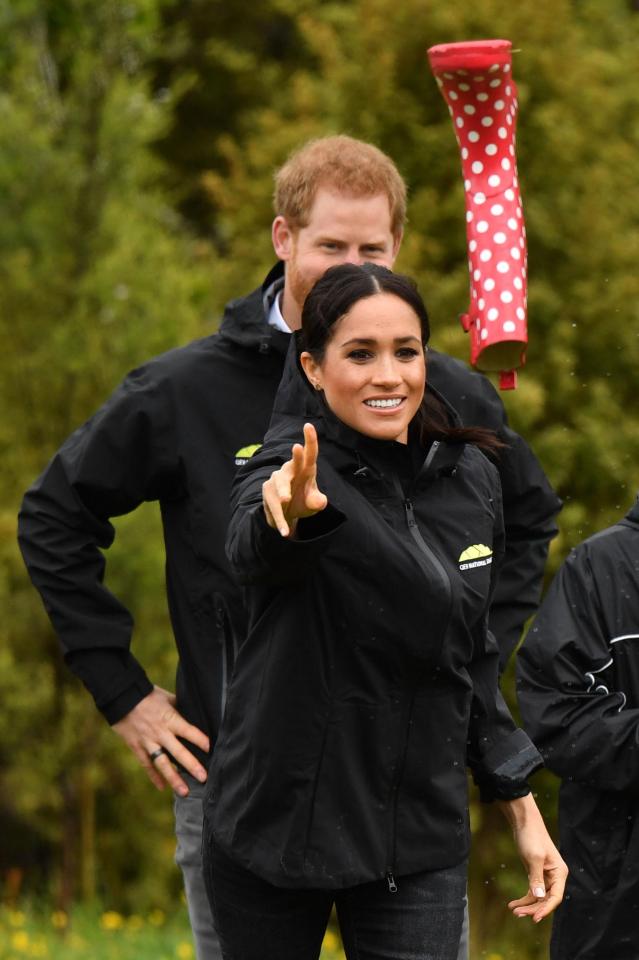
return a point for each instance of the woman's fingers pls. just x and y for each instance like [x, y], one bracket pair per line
[311, 449]
[545, 893]
[556, 878]
[272, 503]
[315, 500]
[291, 492]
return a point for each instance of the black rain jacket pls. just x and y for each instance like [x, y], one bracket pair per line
[578, 689]
[370, 673]
[530, 504]
[175, 431]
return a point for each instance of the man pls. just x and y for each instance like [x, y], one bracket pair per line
[175, 431]
[578, 688]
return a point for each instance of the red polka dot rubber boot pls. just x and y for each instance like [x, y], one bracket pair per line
[475, 79]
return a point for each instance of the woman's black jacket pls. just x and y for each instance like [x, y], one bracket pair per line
[368, 679]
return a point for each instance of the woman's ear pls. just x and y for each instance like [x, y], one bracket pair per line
[312, 370]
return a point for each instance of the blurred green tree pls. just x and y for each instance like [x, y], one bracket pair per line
[97, 272]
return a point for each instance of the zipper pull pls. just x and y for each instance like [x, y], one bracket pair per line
[390, 880]
[410, 516]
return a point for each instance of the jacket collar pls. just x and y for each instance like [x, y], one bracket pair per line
[383, 455]
[245, 321]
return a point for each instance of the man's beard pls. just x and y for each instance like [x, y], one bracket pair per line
[299, 285]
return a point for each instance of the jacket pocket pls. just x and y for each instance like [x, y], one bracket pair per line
[434, 781]
[348, 813]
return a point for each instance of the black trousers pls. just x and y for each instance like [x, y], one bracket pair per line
[255, 920]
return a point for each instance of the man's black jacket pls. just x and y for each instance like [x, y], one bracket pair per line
[175, 431]
[578, 688]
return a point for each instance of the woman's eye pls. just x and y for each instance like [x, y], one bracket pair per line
[359, 355]
[407, 353]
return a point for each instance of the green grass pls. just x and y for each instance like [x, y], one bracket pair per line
[94, 934]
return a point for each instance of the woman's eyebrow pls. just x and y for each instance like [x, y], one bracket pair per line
[368, 341]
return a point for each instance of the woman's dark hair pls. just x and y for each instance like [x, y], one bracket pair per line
[340, 288]
[336, 292]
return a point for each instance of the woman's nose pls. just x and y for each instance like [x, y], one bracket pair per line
[386, 372]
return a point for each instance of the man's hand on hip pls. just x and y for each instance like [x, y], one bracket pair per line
[151, 730]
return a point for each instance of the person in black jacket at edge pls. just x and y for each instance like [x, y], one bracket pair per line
[176, 430]
[578, 688]
[368, 664]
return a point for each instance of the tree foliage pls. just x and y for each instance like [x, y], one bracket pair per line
[97, 272]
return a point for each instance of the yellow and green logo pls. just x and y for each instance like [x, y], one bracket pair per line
[478, 555]
[246, 453]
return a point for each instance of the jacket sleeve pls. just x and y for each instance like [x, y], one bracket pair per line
[565, 686]
[105, 469]
[500, 755]
[258, 553]
[530, 510]
[530, 504]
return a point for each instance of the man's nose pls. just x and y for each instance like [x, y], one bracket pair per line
[353, 255]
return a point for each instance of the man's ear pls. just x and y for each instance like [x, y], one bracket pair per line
[311, 369]
[282, 236]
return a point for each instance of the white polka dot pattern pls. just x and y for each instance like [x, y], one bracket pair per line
[476, 82]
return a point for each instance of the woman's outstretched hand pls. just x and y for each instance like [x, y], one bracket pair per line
[546, 870]
[291, 492]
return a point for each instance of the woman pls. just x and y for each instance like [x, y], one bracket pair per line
[368, 679]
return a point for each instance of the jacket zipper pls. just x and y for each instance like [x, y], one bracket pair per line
[421, 543]
[424, 549]
[412, 523]
[392, 834]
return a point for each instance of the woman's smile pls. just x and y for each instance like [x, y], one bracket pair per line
[392, 403]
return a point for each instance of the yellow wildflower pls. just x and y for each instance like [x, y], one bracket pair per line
[184, 951]
[39, 948]
[156, 917]
[134, 922]
[111, 920]
[59, 919]
[20, 940]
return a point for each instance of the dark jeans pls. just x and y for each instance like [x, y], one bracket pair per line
[258, 921]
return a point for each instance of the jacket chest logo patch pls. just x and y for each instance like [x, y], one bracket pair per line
[245, 453]
[479, 555]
